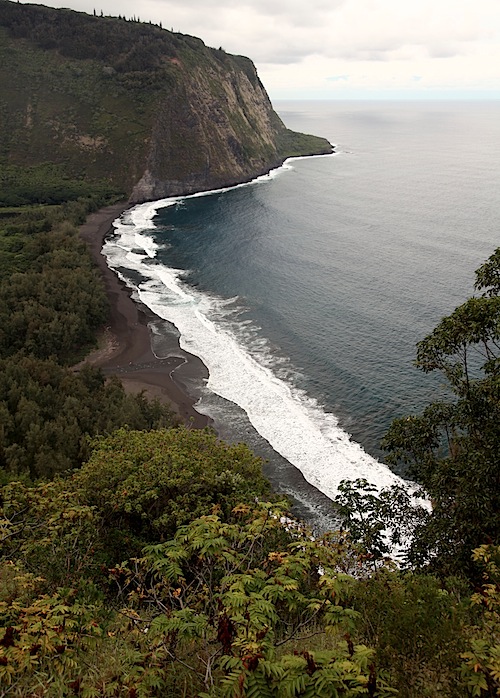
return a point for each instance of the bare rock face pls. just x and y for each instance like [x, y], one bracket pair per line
[150, 112]
[201, 140]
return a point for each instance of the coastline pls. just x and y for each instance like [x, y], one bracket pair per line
[126, 349]
[126, 343]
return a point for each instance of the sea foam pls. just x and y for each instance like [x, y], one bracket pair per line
[241, 369]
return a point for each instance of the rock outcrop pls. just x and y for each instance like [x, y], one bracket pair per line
[154, 113]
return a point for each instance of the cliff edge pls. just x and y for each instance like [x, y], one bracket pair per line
[150, 112]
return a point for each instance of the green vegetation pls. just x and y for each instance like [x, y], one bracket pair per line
[47, 184]
[54, 307]
[293, 144]
[230, 604]
[48, 413]
[147, 484]
[451, 449]
[104, 99]
[139, 558]
[52, 304]
[220, 608]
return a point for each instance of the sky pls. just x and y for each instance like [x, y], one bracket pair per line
[342, 49]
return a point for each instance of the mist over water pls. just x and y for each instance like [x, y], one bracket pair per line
[304, 293]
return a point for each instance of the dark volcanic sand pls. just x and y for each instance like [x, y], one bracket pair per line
[127, 349]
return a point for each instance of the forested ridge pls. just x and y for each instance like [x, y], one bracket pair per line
[142, 558]
[130, 106]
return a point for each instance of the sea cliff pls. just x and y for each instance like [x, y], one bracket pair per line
[150, 112]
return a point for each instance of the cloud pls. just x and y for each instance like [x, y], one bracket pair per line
[274, 30]
[303, 42]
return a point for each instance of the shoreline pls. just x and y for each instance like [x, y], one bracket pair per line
[127, 349]
[126, 352]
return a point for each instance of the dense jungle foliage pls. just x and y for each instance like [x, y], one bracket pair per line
[146, 560]
[52, 303]
[141, 558]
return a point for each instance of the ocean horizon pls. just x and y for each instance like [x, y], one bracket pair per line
[305, 291]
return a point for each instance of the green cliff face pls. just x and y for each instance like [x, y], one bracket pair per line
[150, 112]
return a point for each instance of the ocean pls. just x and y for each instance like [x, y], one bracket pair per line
[305, 292]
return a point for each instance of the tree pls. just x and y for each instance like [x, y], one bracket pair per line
[48, 413]
[381, 522]
[49, 533]
[148, 483]
[453, 447]
[229, 600]
[481, 665]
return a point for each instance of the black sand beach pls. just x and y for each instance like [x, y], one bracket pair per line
[126, 343]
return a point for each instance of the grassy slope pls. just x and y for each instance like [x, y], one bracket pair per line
[70, 112]
[86, 92]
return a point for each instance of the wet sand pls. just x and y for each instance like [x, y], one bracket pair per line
[125, 346]
[125, 351]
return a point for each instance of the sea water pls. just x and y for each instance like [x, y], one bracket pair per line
[305, 292]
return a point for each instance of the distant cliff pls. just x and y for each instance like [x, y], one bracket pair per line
[151, 112]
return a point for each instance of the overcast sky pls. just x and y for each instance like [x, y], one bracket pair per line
[342, 49]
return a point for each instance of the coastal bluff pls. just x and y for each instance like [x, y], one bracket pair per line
[148, 112]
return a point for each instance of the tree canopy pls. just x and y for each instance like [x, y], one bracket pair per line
[146, 484]
[452, 448]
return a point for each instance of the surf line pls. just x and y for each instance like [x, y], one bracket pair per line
[150, 209]
[293, 423]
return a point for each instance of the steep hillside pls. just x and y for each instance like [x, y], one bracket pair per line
[150, 112]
